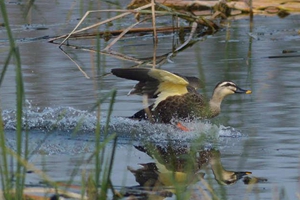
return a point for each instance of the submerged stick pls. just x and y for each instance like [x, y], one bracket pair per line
[118, 32]
[80, 69]
[122, 34]
[193, 30]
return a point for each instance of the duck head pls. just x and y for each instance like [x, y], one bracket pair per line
[225, 88]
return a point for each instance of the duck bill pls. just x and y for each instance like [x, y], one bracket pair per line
[242, 91]
[240, 175]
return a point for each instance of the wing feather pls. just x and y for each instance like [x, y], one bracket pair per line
[154, 82]
[169, 85]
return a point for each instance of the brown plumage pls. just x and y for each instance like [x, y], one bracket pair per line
[175, 95]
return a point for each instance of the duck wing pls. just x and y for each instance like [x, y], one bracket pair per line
[150, 87]
[156, 83]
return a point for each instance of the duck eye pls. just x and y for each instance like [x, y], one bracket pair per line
[228, 84]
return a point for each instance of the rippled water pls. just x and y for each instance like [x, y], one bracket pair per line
[257, 132]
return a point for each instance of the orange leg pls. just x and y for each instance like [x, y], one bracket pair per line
[182, 127]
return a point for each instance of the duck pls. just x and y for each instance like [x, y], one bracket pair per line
[175, 96]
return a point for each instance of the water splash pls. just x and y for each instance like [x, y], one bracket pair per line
[68, 119]
[57, 125]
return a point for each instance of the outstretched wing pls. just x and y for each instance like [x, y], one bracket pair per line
[155, 83]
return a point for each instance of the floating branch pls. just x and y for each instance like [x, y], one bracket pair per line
[148, 12]
[132, 31]
[140, 10]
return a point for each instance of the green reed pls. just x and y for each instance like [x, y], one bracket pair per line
[13, 181]
[103, 160]
[21, 151]
[103, 165]
[108, 163]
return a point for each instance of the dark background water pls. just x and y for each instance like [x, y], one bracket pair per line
[263, 127]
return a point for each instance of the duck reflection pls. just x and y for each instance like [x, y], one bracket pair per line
[223, 176]
[175, 169]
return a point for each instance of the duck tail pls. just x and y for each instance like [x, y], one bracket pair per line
[141, 115]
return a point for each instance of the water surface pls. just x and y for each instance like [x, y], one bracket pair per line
[257, 132]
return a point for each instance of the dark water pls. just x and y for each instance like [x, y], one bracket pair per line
[257, 133]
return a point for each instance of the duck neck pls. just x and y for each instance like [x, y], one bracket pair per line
[223, 176]
[215, 104]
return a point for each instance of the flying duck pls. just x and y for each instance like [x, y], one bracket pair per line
[175, 96]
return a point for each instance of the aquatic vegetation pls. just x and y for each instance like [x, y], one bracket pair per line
[21, 153]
